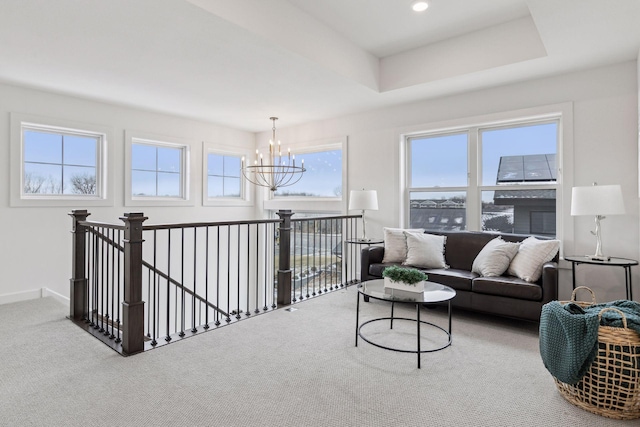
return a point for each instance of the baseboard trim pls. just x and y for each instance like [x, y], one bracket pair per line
[33, 294]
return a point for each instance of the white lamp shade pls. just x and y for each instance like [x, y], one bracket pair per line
[597, 200]
[363, 200]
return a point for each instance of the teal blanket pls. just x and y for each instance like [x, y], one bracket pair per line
[569, 335]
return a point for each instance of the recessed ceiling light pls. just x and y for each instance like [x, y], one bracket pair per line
[419, 6]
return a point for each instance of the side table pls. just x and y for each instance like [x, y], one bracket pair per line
[625, 263]
[357, 242]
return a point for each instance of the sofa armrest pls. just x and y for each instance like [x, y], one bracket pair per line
[549, 282]
[369, 255]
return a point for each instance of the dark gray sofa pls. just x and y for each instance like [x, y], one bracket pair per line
[505, 295]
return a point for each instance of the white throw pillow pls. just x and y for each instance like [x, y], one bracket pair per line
[494, 258]
[533, 253]
[425, 250]
[395, 243]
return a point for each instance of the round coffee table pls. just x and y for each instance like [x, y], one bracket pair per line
[433, 293]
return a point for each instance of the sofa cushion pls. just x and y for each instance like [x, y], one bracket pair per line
[425, 250]
[494, 258]
[459, 280]
[376, 269]
[532, 254]
[511, 287]
[395, 244]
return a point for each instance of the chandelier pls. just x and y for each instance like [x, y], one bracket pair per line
[277, 170]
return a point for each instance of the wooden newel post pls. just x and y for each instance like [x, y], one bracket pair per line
[78, 308]
[284, 265]
[133, 306]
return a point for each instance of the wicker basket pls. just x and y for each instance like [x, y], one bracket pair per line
[611, 386]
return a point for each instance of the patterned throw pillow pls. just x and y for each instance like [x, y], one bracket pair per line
[532, 254]
[395, 243]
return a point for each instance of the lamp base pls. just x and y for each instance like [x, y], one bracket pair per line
[598, 257]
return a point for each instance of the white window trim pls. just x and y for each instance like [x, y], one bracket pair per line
[313, 204]
[132, 137]
[105, 196]
[245, 198]
[564, 157]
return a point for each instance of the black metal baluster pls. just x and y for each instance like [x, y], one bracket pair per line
[265, 282]
[238, 276]
[327, 271]
[195, 273]
[292, 253]
[248, 310]
[88, 274]
[94, 285]
[182, 293]
[206, 278]
[113, 280]
[168, 336]
[228, 319]
[275, 268]
[102, 279]
[217, 313]
[120, 255]
[331, 254]
[156, 287]
[257, 268]
[308, 271]
[315, 249]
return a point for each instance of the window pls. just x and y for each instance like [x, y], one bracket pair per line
[223, 176]
[59, 163]
[56, 163]
[222, 181]
[157, 172]
[322, 176]
[497, 177]
[321, 187]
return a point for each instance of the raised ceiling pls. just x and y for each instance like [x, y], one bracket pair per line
[238, 62]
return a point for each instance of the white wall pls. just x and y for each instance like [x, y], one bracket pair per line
[36, 242]
[605, 149]
[37, 245]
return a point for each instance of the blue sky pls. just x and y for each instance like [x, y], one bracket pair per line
[442, 161]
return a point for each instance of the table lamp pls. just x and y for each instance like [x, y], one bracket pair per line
[363, 200]
[598, 200]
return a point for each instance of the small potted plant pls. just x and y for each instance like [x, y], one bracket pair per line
[406, 279]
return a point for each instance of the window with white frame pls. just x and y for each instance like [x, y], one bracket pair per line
[322, 176]
[223, 176]
[321, 188]
[56, 163]
[157, 171]
[494, 177]
[222, 182]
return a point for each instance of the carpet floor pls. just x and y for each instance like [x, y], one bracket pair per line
[283, 368]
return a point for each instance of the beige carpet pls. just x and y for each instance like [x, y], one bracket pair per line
[297, 368]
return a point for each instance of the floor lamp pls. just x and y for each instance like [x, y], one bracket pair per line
[597, 200]
[363, 200]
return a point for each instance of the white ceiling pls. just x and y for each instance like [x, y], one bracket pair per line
[238, 62]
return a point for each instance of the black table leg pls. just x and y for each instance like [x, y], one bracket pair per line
[418, 322]
[391, 326]
[357, 317]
